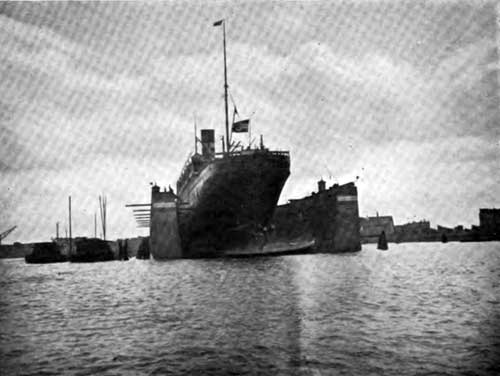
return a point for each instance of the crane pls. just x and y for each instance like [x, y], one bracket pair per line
[5, 233]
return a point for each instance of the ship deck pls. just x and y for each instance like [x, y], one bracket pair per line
[187, 170]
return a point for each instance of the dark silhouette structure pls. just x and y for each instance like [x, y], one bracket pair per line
[382, 242]
[330, 217]
[91, 250]
[44, 253]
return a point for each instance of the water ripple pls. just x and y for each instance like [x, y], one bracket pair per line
[417, 309]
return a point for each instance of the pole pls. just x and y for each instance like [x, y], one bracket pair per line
[103, 215]
[102, 208]
[195, 135]
[70, 235]
[57, 230]
[105, 203]
[225, 86]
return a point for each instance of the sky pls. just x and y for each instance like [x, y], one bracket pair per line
[401, 97]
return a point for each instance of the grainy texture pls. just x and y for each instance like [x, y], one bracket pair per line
[98, 97]
[427, 308]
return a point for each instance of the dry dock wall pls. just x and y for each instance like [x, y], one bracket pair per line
[164, 229]
[329, 216]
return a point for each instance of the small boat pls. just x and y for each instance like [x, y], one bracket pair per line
[382, 242]
[91, 250]
[45, 253]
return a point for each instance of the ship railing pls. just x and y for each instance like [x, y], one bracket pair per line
[187, 169]
[250, 152]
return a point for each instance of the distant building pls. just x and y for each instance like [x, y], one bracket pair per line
[415, 232]
[421, 231]
[489, 222]
[372, 227]
[444, 230]
[419, 227]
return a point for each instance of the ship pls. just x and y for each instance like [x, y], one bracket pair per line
[227, 199]
[224, 200]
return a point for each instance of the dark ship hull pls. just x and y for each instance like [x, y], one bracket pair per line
[91, 250]
[229, 201]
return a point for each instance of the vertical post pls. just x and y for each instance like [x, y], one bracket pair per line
[195, 137]
[102, 208]
[57, 230]
[223, 145]
[225, 86]
[70, 235]
[100, 211]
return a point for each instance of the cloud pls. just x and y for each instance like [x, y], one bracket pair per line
[61, 111]
[107, 104]
[36, 199]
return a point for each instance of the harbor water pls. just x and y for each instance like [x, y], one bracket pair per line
[418, 308]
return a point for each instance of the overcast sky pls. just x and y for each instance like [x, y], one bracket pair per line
[99, 98]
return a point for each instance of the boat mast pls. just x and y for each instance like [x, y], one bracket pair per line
[225, 87]
[70, 252]
[223, 23]
[195, 136]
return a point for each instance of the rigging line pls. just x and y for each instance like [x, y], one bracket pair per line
[232, 99]
[233, 102]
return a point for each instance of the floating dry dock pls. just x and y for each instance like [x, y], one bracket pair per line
[326, 221]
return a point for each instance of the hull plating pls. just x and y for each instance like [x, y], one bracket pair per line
[229, 201]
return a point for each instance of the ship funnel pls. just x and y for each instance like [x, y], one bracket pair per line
[321, 185]
[207, 142]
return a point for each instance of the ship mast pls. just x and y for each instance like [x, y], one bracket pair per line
[223, 23]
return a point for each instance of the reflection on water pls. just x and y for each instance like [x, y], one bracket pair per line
[418, 308]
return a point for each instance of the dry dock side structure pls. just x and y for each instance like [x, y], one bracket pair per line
[330, 217]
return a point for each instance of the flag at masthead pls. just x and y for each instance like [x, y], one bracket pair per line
[223, 23]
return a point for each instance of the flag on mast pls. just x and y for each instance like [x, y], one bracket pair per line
[241, 126]
[218, 23]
